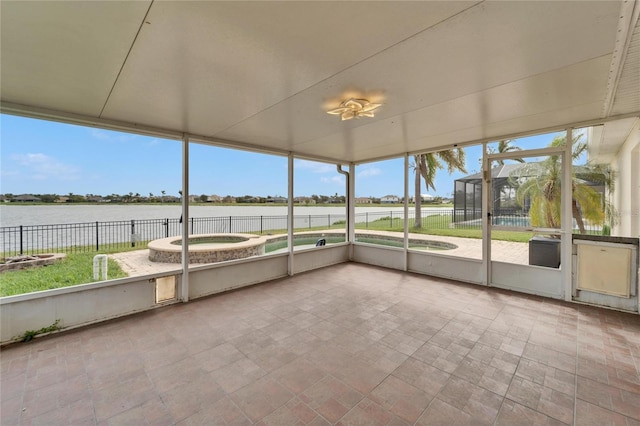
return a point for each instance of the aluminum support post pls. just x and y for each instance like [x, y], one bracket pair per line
[290, 218]
[184, 287]
[566, 218]
[406, 212]
[486, 222]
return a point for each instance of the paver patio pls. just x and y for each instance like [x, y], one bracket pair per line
[347, 344]
[137, 262]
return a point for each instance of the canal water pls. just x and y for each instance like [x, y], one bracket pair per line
[16, 215]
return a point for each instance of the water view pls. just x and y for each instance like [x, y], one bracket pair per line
[16, 215]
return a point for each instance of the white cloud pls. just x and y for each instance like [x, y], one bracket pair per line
[333, 180]
[108, 136]
[9, 173]
[314, 167]
[43, 167]
[373, 171]
[99, 134]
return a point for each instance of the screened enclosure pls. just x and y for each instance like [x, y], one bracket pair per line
[505, 207]
[467, 200]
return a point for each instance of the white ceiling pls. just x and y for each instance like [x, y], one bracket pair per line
[264, 73]
[605, 140]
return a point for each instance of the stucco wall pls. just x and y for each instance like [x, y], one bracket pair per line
[627, 192]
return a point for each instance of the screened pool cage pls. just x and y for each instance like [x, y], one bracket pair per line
[505, 179]
[467, 197]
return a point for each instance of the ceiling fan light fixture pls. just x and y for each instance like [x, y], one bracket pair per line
[354, 108]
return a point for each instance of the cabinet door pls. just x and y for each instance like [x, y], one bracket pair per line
[604, 269]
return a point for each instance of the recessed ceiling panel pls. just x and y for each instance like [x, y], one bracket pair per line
[453, 64]
[202, 67]
[557, 95]
[65, 55]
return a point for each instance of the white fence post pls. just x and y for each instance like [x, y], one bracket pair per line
[100, 267]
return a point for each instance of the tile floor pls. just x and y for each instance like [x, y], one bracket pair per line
[349, 344]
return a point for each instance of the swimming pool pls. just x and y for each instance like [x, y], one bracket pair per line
[515, 221]
[213, 248]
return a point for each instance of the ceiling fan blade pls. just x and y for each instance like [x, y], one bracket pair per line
[338, 111]
[370, 107]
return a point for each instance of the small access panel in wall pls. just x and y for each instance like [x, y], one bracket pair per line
[605, 268]
[165, 289]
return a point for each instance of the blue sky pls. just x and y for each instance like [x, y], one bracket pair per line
[43, 157]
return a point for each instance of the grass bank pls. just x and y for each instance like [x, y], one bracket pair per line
[76, 268]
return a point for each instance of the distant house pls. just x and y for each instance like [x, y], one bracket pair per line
[304, 200]
[424, 197]
[247, 199]
[25, 198]
[95, 199]
[390, 199]
[214, 199]
[279, 200]
[364, 200]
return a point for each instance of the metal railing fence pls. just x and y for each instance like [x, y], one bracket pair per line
[114, 235]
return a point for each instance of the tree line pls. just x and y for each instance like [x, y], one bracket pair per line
[132, 197]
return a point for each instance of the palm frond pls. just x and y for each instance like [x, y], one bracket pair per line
[454, 159]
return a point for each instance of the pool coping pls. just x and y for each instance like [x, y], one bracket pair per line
[166, 244]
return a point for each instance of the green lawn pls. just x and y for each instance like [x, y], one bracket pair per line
[431, 225]
[76, 268]
[440, 225]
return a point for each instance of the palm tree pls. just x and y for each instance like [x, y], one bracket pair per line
[541, 185]
[505, 146]
[503, 190]
[426, 166]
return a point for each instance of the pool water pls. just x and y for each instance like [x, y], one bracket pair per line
[412, 245]
[310, 242]
[300, 241]
[519, 221]
[511, 221]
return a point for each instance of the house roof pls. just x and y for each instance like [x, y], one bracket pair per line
[261, 75]
[497, 172]
[505, 171]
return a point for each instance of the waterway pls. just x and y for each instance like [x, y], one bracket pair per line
[16, 215]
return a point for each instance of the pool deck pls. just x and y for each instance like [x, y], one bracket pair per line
[349, 344]
[138, 263]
